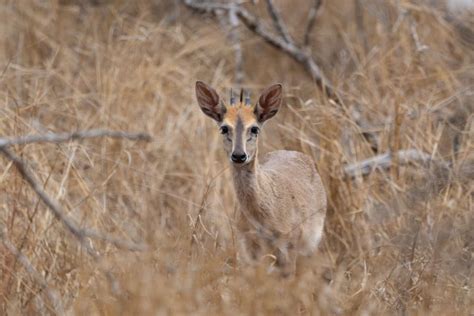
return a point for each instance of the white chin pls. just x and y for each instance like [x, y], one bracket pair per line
[239, 164]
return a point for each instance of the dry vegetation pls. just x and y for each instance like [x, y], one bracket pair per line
[399, 240]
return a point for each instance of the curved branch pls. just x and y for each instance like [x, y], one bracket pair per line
[295, 52]
[59, 213]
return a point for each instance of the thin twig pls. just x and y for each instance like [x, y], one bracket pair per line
[278, 22]
[65, 137]
[385, 161]
[313, 12]
[25, 262]
[59, 213]
[194, 237]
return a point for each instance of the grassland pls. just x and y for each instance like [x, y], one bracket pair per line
[398, 241]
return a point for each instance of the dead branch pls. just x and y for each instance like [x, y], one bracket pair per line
[57, 210]
[311, 21]
[385, 161]
[80, 234]
[278, 22]
[299, 54]
[295, 52]
[25, 262]
[65, 137]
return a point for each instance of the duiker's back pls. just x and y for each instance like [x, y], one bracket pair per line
[297, 196]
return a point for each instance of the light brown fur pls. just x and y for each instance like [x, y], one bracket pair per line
[282, 201]
[239, 110]
[282, 205]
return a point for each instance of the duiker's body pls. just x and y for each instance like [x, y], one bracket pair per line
[282, 201]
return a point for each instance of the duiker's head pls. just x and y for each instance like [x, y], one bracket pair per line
[239, 121]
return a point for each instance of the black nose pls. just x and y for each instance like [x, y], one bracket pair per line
[239, 157]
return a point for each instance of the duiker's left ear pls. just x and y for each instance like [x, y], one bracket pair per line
[269, 103]
[208, 101]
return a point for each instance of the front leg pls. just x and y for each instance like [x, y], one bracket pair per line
[286, 259]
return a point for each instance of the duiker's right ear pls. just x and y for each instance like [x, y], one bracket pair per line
[208, 100]
[269, 102]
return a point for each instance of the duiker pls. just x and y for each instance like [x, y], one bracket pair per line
[282, 201]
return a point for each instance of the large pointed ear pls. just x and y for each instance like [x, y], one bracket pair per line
[208, 100]
[269, 103]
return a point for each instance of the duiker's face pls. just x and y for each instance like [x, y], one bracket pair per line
[239, 122]
[239, 129]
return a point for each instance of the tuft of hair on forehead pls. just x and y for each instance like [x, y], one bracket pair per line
[242, 112]
[244, 97]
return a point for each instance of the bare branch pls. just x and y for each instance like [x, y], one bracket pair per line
[59, 213]
[50, 293]
[254, 25]
[65, 137]
[311, 21]
[278, 22]
[80, 234]
[385, 161]
[293, 51]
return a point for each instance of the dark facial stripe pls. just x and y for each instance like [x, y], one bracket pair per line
[239, 136]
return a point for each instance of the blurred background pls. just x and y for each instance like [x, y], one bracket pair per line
[362, 79]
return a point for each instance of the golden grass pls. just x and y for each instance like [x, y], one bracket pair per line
[399, 241]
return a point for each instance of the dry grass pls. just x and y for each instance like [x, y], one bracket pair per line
[397, 241]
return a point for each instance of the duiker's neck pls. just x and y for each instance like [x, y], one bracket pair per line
[246, 181]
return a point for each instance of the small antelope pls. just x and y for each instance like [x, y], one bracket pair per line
[282, 201]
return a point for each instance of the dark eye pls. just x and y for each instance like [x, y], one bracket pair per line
[224, 130]
[255, 130]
